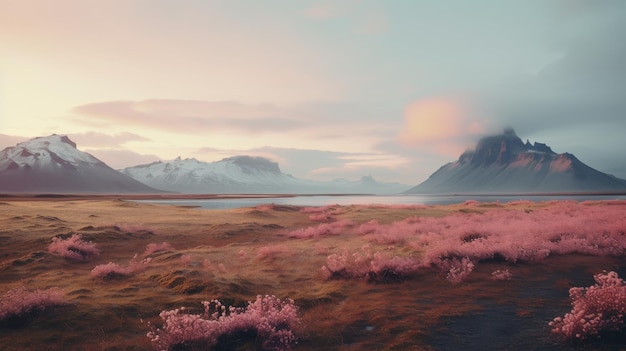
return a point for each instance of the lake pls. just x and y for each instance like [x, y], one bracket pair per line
[323, 200]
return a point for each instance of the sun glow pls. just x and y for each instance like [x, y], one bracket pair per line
[431, 120]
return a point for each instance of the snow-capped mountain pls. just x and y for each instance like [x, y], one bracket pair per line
[54, 164]
[244, 174]
[504, 164]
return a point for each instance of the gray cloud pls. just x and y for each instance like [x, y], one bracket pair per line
[118, 159]
[322, 164]
[578, 102]
[96, 139]
[190, 116]
[10, 140]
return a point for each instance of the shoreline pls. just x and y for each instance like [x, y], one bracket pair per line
[172, 196]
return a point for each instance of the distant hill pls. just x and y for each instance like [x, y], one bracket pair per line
[504, 164]
[53, 164]
[245, 174]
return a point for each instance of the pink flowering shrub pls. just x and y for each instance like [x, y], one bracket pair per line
[501, 274]
[375, 266]
[321, 213]
[506, 234]
[596, 309]
[114, 270]
[20, 302]
[323, 229]
[457, 242]
[268, 320]
[397, 232]
[73, 248]
[156, 247]
[458, 269]
[185, 260]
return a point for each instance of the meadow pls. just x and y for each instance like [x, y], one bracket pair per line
[109, 274]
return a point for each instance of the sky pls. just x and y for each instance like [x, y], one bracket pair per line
[328, 89]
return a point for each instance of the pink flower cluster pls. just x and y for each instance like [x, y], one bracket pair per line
[397, 232]
[322, 213]
[20, 301]
[268, 319]
[457, 242]
[596, 309]
[114, 270]
[73, 248]
[510, 234]
[501, 274]
[156, 247]
[457, 268]
[364, 263]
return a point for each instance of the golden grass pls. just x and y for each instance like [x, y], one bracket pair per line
[238, 254]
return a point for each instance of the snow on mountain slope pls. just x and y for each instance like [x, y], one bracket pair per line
[244, 174]
[54, 164]
[503, 163]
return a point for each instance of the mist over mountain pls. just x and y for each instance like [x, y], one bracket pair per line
[504, 164]
[54, 164]
[245, 174]
[499, 164]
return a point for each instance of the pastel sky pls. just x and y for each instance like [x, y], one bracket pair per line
[328, 89]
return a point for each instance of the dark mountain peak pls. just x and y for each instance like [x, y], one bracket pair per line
[541, 147]
[504, 164]
[510, 132]
[254, 163]
[501, 148]
[65, 139]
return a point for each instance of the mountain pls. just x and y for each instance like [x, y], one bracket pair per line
[504, 164]
[244, 175]
[53, 164]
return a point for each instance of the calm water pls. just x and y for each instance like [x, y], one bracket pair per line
[319, 200]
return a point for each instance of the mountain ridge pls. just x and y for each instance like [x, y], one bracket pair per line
[245, 174]
[504, 164]
[54, 164]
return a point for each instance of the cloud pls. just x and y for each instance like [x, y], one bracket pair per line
[366, 18]
[323, 10]
[118, 159]
[10, 140]
[586, 84]
[190, 116]
[322, 165]
[373, 22]
[202, 49]
[576, 103]
[439, 124]
[101, 140]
